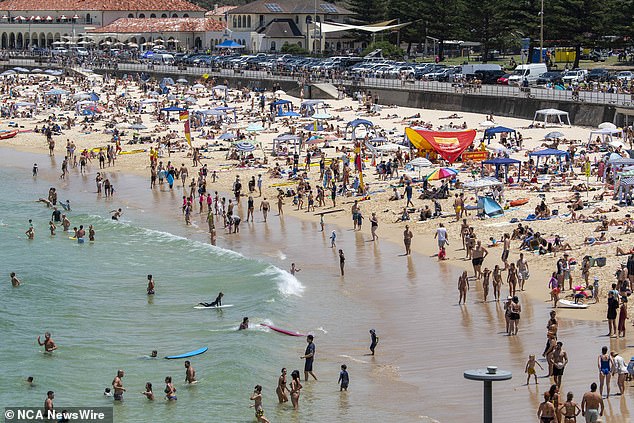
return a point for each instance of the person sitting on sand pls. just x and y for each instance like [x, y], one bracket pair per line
[404, 216]
[425, 214]
[395, 195]
[559, 245]
[603, 226]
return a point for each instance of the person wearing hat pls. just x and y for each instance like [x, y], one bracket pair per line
[620, 369]
[374, 340]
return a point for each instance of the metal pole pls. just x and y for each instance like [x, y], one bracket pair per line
[488, 401]
[541, 36]
[315, 27]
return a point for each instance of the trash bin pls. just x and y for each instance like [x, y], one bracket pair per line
[600, 261]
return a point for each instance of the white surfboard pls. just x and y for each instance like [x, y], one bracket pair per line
[200, 307]
[570, 304]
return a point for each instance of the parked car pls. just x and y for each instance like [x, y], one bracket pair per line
[598, 75]
[550, 77]
[489, 76]
[575, 76]
[504, 79]
[625, 76]
[57, 51]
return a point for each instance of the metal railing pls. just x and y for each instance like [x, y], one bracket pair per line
[494, 90]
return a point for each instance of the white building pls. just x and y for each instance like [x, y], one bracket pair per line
[266, 25]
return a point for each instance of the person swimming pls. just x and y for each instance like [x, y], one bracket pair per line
[244, 324]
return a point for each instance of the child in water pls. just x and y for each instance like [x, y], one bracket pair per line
[530, 368]
[344, 378]
[148, 391]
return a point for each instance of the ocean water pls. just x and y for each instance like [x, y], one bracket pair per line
[92, 298]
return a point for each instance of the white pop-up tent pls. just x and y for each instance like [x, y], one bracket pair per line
[605, 134]
[553, 115]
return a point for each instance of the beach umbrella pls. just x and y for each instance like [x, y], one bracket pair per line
[245, 146]
[36, 70]
[226, 136]
[607, 125]
[81, 96]
[182, 81]
[190, 100]
[314, 127]
[21, 70]
[137, 126]
[56, 91]
[553, 135]
[133, 45]
[290, 113]
[442, 173]
[487, 124]
[198, 86]
[419, 163]
[280, 92]
[321, 116]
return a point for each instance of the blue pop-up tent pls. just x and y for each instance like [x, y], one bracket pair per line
[229, 44]
[490, 132]
[489, 207]
[549, 152]
[499, 162]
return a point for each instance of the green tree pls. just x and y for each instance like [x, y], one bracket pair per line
[369, 11]
[489, 24]
[388, 50]
[443, 20]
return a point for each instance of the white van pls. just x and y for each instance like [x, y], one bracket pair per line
[529, 72]
[472, 69]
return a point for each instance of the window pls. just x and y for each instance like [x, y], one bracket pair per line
[273, 7]
[153, 15]
[235, 22]
[239, 21]
[164, 15]
[273, 46]
[174, 15]
[309, 19]
[318, 18]
[328, 8]
[130, 15]
[261, 20]
[249, 21]
[296, 19]
[141, 15]
[88, 20]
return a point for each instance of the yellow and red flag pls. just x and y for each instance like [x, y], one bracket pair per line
[183, 115]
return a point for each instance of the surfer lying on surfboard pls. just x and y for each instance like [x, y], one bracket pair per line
[216, 303]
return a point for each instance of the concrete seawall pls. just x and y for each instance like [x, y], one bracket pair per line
[518, 107]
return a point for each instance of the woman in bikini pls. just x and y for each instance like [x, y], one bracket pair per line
[497, 282]
[605, 365]
[281, 387]
[546, 410]
[296, 387]
[512, 279]
[170, 390]
[570, 409]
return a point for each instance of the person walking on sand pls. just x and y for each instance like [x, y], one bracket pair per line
[407, 240]
[257, 398]
[530, 369]
[546, 413]
[511, 279]
[605, 363]
[342, 261]
[280, 203]
[264, 208]
[463, 286]
[569, 409]
[477, 258]
[620, 370]
[522, 271]
[559, 358]
[497, 282]
[441, 236]
[516, 309]
[592, 405]
[309, 357]
[281, 387]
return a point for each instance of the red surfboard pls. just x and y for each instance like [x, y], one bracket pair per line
[284, 331]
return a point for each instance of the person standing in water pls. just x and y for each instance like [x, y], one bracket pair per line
[342, 261]
[344, 378]
[264, 208]
[91, 233]
[257, 398]
[170, 389]
[294, 269]
[592, 405]
[49, 344]
[296, 387]
[407, 240]
[309, 357]
[374, 225]
[150, 285]
[281, 387]
[15, 282]
[190, 373]
[374, 340]
[117, 386]
[48, 402]
[463, 287]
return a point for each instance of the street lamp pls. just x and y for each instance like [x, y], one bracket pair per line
[541, 33]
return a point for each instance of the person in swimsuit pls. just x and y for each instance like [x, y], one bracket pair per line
[555, 399]
[257, 398]
[592, 405]
[150, 285]
[296, 387]
[530, 368]
[570, 409]
[245, 324]
[374, 340]
[605, 364]
[344, 378]
[15, 282]
[117, 386]
[281, 387]
[170, 390]
[148, 392]
[514, 315]
[116, 214]
[546, 410]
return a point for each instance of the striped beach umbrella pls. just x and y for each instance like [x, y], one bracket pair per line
[442, 173]
[245, 146]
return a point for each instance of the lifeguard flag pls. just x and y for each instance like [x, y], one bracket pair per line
[448, 145]
[188, 135]
[183, 115]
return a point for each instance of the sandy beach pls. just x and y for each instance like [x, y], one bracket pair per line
[400, 305]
